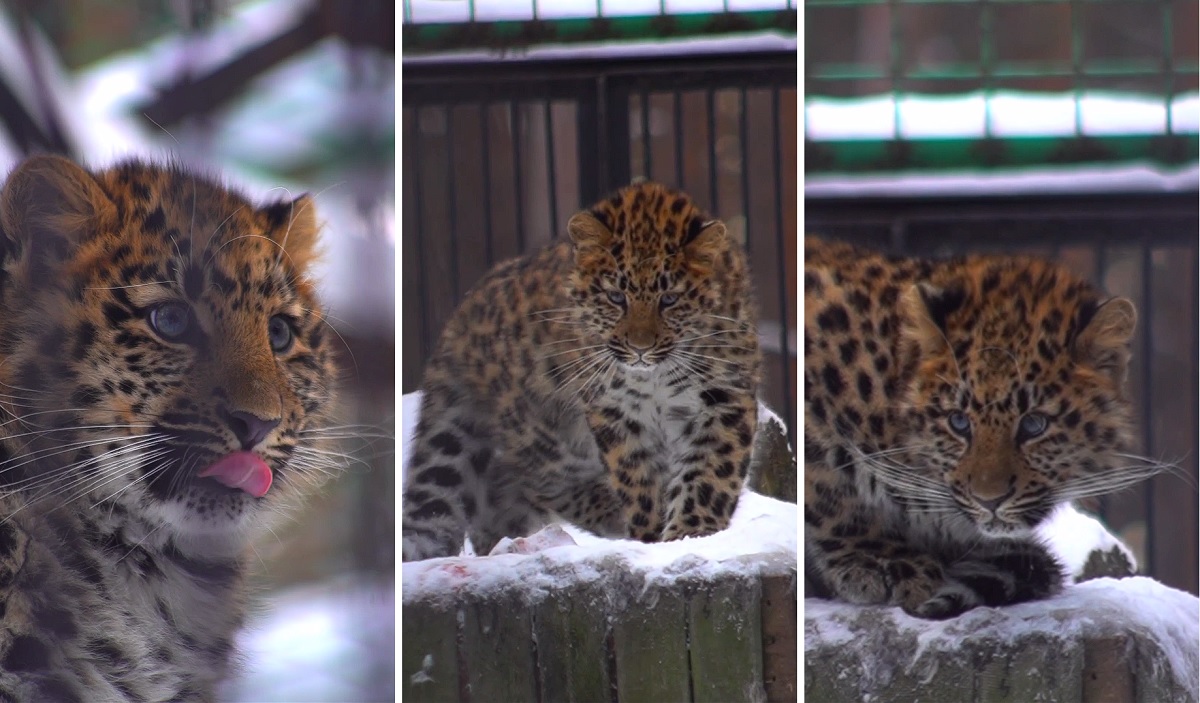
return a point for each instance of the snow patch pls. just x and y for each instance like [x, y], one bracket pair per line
[1074, 536]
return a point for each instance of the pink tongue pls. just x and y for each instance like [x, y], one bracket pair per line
[244, 470]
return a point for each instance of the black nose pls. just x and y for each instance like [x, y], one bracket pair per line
[249, 429]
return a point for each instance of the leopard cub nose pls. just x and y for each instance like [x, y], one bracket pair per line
[249, 428]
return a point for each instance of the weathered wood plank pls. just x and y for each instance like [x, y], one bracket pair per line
[429, 662]
[726, 641]
[650, 647]
[779, 611]
[571, 628]
[497, 647]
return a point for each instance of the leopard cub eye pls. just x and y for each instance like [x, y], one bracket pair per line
[170, 320]
[616, 297]
[959, 423]
[279, 331]
[666, 300]
[1032, 425]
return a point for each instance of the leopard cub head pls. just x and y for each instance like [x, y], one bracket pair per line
[652, 274]
[1018, 401]
[162, 350]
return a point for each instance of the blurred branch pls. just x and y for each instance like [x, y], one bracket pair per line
[40, 130]
[367, 23]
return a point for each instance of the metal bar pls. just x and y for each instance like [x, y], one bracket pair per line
[677, 121]
[1148, 402]
[452, 196]
[551, 181]
[616, 154]
[646, 160]
[532, 79]
[711, 112]
[421, 268]
[1101, 272]
[744, 146]
[591, 171]
[489, 245]
[781, 250]
[514, 120]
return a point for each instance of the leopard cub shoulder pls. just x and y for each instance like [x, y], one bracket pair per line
[608, 379]
[165, 379]
[950, 406]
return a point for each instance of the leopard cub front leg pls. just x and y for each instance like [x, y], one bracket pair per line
[634, 471]
[710, 464]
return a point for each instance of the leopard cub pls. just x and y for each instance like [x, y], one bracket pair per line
[608, 380]
[165, 383]
[950, 406]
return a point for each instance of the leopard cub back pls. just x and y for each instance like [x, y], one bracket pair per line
[165, 382]
[950, 406]
[608, 379]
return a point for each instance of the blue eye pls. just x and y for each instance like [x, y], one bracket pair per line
[280, 333]
[171, 321]
[1032, 425]
[959, 423]
[616, 297]
[668, 299]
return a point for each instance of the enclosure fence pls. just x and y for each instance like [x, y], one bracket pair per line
[497, 155]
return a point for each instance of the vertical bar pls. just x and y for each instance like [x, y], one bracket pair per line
[744, 145]
[1101, 272]
[514, 121]
[452, 196]
[587, 116]
[1077, 63]
[1168, 67]
[646, 160]
[415, 151]
[1148, 401]
[677, 120]
[489, 247]
[895, 59]
[986, 58]
[616, 96]
[781, 250]
[711, 111]
[552, 182]
[1195, 370]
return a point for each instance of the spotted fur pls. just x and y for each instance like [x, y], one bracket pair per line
[949, 407]
[121, 570]
[608, 380]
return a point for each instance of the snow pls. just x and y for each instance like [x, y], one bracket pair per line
[332, 642]
[431, 11]
[763, 533]
[999, 114]
[1092, 609]
[1073, 536]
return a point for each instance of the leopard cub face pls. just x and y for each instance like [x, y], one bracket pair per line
[646, 281]
[1019, 406]
[164, 350]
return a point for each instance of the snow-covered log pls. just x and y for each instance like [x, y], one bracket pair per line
[565, 615]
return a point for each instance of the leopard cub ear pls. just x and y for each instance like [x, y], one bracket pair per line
[1104, 341]
[294, 227]
[926, 308]
[704, 249]
[588, 231]
[47, 207]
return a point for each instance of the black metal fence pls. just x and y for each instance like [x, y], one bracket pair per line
[1142, 246]
[499, 154]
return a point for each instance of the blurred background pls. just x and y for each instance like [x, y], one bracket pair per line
[298, 94]
[1063, 128]
[517, 114]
